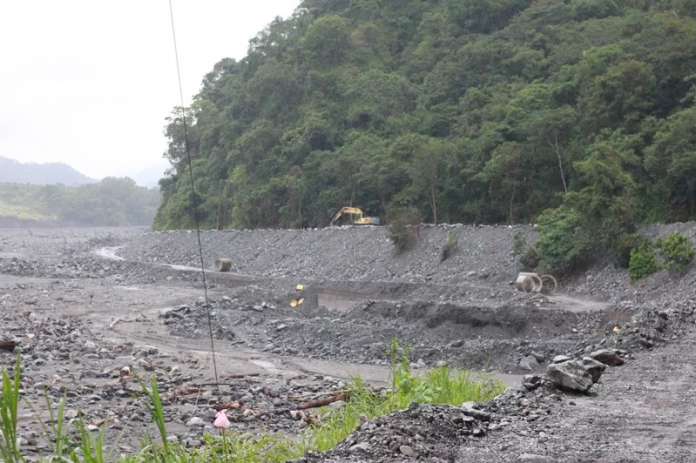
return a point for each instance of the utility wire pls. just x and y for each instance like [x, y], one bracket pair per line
[193, 198]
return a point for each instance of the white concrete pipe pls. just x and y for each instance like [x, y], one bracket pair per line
[529, 283]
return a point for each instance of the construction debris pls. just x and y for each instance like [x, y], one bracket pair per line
[532, 283]
[223, 264]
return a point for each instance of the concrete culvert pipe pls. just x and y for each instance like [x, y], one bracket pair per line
[550, 283]
[223, 265]
[528, 283]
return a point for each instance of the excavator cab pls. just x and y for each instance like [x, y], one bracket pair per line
[353, 216]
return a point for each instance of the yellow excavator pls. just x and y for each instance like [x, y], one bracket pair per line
[355, 216]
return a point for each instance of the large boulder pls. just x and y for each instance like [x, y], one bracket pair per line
[607, 357]
[570, 376]
[594, 368]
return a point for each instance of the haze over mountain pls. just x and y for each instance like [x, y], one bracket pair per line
[148, 176]
[41, 174]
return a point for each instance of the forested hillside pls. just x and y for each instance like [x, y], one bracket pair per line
[111, 202]
[474, 111]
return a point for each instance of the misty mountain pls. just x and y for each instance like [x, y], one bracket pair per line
[150, 176]
[41, 174]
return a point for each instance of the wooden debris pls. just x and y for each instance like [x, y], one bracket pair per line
[101, 422]
[322, 402]
[229, 405]
[250, 375]
[8, 345]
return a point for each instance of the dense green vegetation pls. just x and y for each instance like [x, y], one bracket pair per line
[467, 110]
[112, 201]
[642, 263]
[675, 253]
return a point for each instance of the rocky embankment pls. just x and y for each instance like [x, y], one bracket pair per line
[343, 253]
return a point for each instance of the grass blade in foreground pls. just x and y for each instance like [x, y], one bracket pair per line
[9, 447]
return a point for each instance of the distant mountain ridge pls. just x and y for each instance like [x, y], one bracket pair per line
[148, 176]
[41, 174]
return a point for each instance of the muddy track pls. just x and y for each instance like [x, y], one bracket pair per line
[346, 294]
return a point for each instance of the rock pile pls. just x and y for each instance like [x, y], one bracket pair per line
[430, 433]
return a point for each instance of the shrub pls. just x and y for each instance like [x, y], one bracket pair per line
[642, 262]
[519, 244]
[450, 247]
[401, 235]
[401, 227]
[589, 9]
[676, 251]
[530, 259]
[528, 255]
[561, 246]
[622, 247]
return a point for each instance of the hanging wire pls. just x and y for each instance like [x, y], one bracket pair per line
[193, 199]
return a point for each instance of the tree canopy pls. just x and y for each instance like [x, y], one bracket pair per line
[109, 202]
[466, 110]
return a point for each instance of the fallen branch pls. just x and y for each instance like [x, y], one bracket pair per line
[322, 402]
[248, 375]
[228, 405]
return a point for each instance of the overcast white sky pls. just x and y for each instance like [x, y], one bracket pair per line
[89, 82]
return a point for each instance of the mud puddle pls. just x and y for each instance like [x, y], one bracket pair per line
[342, 301]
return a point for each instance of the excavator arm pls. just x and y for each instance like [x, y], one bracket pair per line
[347, 210]
[352, 211]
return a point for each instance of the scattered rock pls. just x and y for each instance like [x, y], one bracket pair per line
[407, 451]
[594, 368]
[529, 363]
[339, 404]
[364, 446]
[570, 376]
[531, 382]
[195, 422]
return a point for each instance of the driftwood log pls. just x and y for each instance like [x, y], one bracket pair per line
[8, 345]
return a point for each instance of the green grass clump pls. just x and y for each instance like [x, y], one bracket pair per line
[9, 448]
[437, 386]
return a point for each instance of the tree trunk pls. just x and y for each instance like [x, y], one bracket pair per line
[219, 212]
[554, 146]
[433, 205]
